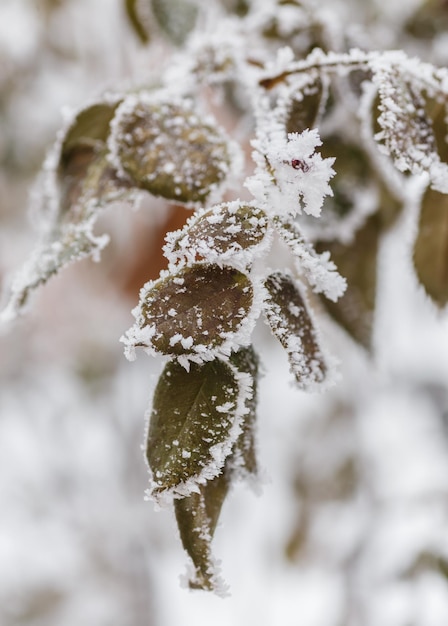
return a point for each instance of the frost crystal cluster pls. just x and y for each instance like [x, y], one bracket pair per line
[321, 152]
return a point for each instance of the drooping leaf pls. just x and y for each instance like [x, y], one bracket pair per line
[226, 232]
[176, 18]
[193, 425]
[431, 246]
[136, 20]
[319, 270]
[167, 148]
[357, 262]
[81, 182]
[84, 178]
[243, 460]
[199, 310]
[197, 516]
[290, 321]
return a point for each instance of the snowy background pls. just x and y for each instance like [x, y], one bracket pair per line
[351, 525]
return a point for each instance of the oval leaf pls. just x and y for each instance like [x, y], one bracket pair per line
[290, 322]
[431, 246]
[167, 149]
[85, 179]
[197, 516]
[222, 233]
[407, 133]
[199, 310]
[193, 425]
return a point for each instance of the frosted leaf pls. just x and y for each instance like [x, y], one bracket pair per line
[75, 242]
[320, 271]
[357, 261]
[167, 148]
[176, 18]
[78, 182]
[197, 516]
[227, 233]
[431, 246]
[243, 460]
[406, 129]
[290, 175]
[189, 438]
[290, 321]
[84, 179]
[198, 312]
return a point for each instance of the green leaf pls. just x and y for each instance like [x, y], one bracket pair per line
[196, 310]
[176, 18]
[290, 322]
[407, 133]
[85, 178]
[193, 425]
[91, 125]
[167, 148]
[84, 182]
[197, 516]
[135, 19]
[320, 272]
[406, 130]
[357, 261]
[431, 246]
[222, 233]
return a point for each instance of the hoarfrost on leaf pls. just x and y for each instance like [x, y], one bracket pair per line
[290, 321]
[77, 182]
[169, 148]
[231, 233]
[200, 411]
[319, 270]
[216, 309]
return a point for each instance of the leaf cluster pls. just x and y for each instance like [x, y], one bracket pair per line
[338, 139]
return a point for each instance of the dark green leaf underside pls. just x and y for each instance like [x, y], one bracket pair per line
[192, 412]
[197, 516]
